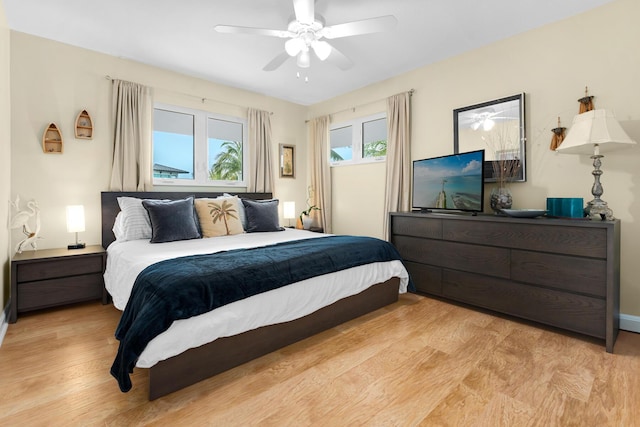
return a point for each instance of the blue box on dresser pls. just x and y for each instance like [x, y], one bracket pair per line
[565, 207]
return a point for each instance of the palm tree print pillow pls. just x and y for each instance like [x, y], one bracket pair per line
[219, 217]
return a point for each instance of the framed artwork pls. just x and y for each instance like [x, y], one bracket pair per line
[497, 126]
[287, 161]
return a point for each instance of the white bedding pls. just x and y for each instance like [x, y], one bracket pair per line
[126, 260]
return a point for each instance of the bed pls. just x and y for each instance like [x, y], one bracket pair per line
[218, 341]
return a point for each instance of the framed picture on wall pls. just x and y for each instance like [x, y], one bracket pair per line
[287, 161]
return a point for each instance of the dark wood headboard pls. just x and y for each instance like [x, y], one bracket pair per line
[110, 207]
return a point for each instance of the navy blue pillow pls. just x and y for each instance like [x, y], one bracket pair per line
[262, 215]
[172, 220]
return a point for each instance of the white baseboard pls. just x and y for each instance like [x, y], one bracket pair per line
[4, 323]
[630, 323]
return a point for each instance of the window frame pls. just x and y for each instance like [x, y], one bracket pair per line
[357, 142]
[200, 149]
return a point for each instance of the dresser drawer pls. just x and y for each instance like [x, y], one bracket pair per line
[426, 278]
[486, 260]
[578, 313]
[579, 241]
[59, 267]
[567, 273]
[53, 292]
[424, 251]
[416, 226]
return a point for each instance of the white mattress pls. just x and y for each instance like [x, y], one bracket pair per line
[126, 260]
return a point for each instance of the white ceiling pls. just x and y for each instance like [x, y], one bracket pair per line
[178, 35]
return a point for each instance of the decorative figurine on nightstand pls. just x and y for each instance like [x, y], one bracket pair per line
[21, 220]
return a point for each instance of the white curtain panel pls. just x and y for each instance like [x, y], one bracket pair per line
[320, 171]
[398, 171]
[132, 105]
[259, 135]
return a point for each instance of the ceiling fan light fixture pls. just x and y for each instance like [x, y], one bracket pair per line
[322, 49]
[304, 60]
[294, 46]
[488, 124]
[307, 30]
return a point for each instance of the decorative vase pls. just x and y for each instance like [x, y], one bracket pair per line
[500, 199]
[306, 222]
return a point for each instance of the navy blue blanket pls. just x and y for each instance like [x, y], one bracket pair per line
[188, 286]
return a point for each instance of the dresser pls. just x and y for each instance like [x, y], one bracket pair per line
[562, 273]
[53, 277]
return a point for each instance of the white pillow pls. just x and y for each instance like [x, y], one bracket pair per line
[118, 229]
[132, 223]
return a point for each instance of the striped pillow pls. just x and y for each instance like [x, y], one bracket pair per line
[133, 220]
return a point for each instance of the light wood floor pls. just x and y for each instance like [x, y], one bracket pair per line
[417, 362]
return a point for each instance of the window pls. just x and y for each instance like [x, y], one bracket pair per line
[193, 147]
[359, 141]
[173, 144]
[341, 143]
[374, 138]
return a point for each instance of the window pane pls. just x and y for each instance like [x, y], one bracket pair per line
[374, 138]
[173, 142]
[341, 141]
[224, 147]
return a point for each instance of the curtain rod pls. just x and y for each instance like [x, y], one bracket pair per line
[353, 109]
[108, 77]
[410, 92]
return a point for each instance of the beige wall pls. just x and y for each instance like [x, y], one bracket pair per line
[551, 65]
[53, 82]
[5, 158]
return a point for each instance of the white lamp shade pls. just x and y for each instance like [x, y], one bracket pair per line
[488, 124]
[304, 60]
[322, 49]
[294, 46]
[75, 218]
[595, 127]
[289, 210]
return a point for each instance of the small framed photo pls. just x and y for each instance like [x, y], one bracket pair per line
[287, 161]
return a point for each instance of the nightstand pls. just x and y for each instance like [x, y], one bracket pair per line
[53, 277]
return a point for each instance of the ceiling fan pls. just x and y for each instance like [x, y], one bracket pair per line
[307, 31]
[486, 117]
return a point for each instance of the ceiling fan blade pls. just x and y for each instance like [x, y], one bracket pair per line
[366, 26]
[339, 59]
[304, 10]
[277, 62]
[232, 29]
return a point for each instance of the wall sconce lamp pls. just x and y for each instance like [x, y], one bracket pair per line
[75, 224]
[289, 211]
[594, 132]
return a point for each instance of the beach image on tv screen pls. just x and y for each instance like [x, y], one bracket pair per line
[449, 182]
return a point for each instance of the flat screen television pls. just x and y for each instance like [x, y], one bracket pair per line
[449, 183]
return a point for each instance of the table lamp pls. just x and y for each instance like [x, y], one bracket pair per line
[75, 223]
[289, 211]
[595, 132]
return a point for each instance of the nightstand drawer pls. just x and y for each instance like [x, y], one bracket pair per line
[49, 293]
[54, 268]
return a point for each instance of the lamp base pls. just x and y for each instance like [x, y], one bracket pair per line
[76, 246]
[598, 210]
